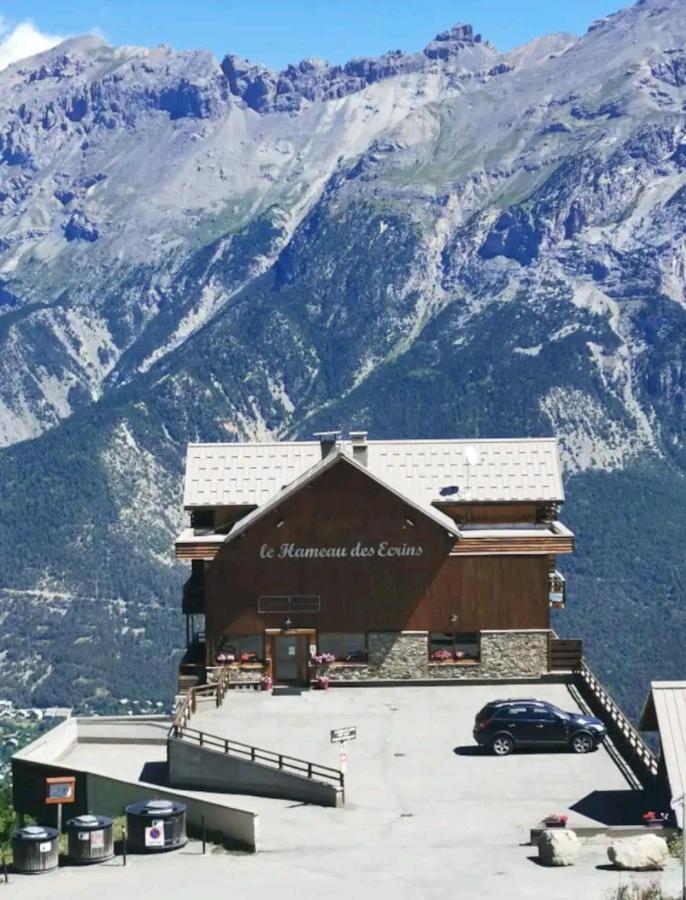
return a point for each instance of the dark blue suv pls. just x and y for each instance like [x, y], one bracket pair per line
[504, 725]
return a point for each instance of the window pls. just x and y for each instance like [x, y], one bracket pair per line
[543, 715]
[446, 646]
[286, 603]
[509, 712]
[240, 648]
[345, 647]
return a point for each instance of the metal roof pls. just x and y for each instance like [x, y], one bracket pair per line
[522, 469]
[431, 512]
[665, 711]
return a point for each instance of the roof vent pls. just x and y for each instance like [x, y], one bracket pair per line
[358, 441]
[327, 441]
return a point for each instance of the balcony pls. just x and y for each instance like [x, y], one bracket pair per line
[557, 595]
[193, 596]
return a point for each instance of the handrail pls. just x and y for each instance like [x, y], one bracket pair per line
[181, 730]
[619, 723]
[189, 704]
[258, 754]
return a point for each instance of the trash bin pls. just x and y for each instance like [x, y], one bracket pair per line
[36, 849]
[156, 825]
[90, 839]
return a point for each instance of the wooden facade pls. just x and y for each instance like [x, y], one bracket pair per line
[389, 568]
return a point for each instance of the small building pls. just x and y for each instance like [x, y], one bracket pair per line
[372, 560]
[665, 713]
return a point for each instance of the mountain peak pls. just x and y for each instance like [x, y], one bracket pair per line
[448, 43]
[265, 90]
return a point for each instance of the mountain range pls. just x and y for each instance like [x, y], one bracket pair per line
[451, 242]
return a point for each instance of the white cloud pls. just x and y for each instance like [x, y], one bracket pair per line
[22, 40]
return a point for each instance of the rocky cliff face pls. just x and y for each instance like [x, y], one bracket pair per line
[457, 52]
[449, 242]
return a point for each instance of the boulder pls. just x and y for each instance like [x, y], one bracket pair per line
[558, 847]
[644, 853]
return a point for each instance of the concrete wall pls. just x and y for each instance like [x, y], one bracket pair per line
[194, 767]
[403, 656]
[109, 796]
[123, 729]
[52, 745]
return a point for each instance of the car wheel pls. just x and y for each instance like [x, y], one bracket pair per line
[583, 742]
[502, 745]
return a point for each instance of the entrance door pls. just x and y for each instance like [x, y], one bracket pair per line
[288, 657]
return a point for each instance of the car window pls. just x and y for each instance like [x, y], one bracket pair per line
[545, 715]
[508, 712]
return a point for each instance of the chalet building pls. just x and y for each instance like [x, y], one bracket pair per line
[372, 560]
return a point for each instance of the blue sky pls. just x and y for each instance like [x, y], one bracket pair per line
[279, 31]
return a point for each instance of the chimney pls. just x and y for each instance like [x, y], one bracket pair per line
[358, 440]
[327, 441]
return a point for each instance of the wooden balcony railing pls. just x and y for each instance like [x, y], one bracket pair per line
[565, 655]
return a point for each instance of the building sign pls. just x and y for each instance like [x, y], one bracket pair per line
[382, 550]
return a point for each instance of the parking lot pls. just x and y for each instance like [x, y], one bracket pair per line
[426, 811]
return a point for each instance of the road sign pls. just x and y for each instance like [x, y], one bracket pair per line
[340, 735]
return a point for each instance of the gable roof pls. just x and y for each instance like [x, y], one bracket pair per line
[506, 470]
[315, 471]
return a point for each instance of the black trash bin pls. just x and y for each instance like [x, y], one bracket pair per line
[36, 849]
[156, 825]
[90, 839]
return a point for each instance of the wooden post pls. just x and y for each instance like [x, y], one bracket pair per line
[204, 836]
[123, 846]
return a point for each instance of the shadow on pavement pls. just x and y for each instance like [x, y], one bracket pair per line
[155, 773]
[615, 807]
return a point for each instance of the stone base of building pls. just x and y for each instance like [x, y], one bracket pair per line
[404, 656]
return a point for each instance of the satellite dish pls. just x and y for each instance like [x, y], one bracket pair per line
[471, 456]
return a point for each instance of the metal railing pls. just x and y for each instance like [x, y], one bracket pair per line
[623, 734]
[189, 704]
[271, 758]
[181, 730]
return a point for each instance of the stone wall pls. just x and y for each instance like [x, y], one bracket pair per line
[398, 656]
[403, 656]
[514, 654]
[239, 674]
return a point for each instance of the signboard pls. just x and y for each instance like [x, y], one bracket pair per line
[61, 789]
[340, 735]
[382, 550]
[154, 835]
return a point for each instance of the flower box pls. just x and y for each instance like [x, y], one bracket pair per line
[555, 821]
[655, 820]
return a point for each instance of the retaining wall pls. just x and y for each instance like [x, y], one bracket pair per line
[195, 767]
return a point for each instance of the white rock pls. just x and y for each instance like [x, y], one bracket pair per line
[647, 852]
[558, 847]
